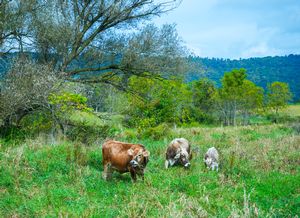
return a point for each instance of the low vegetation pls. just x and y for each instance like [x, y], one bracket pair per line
[259, 176]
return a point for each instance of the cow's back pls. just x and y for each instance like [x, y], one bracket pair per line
[213, 153]
[180, 143]
[116, 154]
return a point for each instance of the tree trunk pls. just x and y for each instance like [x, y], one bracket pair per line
[276, 115]
[234, 113]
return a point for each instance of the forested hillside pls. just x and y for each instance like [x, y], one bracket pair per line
[261, 71]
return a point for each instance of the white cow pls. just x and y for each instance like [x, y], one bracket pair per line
[211, 159]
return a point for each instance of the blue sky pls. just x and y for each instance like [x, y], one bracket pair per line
[238, 28]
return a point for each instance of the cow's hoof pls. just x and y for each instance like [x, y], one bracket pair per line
[167, 164]
[106, 177]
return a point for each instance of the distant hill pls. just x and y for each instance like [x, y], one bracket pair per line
[260, 70]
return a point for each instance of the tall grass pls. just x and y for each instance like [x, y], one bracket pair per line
[259, 177]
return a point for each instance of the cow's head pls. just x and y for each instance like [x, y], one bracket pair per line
[139, 159]
[208, 161]
[182, 157]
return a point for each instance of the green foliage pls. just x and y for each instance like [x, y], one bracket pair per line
[238, 96]
[155, 133]
[37, 122]
[130, 134]
[252, 96]
[66, 102]
[278, 95]
[158, 101]
[233, 80]
[87, 134]
[261, 71]
[87, 128]
[204, 92]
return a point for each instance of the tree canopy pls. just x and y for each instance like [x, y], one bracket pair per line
[93, 41]
[278, 95]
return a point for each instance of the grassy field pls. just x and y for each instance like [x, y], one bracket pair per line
[259, 177]
[292, 110]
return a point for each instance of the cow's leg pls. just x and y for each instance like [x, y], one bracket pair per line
[104, 173]
[217, 167]
[167, 164]
[133, 175]
[107, 172]
[142, 175]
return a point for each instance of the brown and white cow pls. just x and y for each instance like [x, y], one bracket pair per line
[178, 153]
[124, 157]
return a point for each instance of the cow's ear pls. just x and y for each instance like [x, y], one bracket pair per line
[130, 152]
[146, 153]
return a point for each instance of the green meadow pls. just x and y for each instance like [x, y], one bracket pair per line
[258, 177]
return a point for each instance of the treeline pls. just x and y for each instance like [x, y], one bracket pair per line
[152, 102]
[34, 99]
[261, 71]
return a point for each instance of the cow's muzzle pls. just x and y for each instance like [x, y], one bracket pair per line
[187, 165]
[133, 163]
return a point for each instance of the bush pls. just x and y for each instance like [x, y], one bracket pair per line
[130, 134]
[12, 136]
[37, 122]
[157, 132]
[296, 128]
[87, 134]
[281, 118]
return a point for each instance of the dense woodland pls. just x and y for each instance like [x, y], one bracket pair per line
[261, 71]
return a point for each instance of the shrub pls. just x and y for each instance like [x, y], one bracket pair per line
[87, 134]
[296, 128]
[130, 134]
[281, 118]
[37, 122]
[157, 132]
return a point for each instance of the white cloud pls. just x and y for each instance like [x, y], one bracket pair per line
[260, 50]
[234, 28]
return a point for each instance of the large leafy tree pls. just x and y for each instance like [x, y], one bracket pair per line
[94, 40]
[204, 93]
[252, 97]
[26, 89]
[90, 41]
[230, 94]
[278, 96]
[238, 96]
[158, 101]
